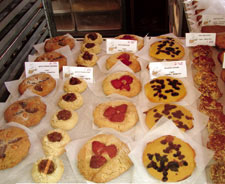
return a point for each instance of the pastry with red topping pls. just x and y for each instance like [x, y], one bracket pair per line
[87, 59]
[140, 40]
[93, 37]
[71, 101]
[91, 47]
[74, 84]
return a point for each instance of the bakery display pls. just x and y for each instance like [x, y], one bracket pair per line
[103, 158]
[74, 84]
[87, 59]
[70, 101]
[140, 40]
[91, 47]
[93, 37]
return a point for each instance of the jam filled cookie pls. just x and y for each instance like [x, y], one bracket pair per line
[103, 158]
[75, 84]
[140, 40]
[93, 38]
[91, 47]
[14, 146]
[71, 101]
[169, 159]
[87, 59]
[27, 112]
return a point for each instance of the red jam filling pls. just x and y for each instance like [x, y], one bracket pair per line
[122, 83]
[116, 114]
[128, 37]
[125, 59]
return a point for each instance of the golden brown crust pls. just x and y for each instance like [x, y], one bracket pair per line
[210, 90]
[202, 50]
[75, 84]
[217, 171]
[87, 59]
[205, 77]
[91, 47]
[203, 63]
[71, 101]
[93, 37]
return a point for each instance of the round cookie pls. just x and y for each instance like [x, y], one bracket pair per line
[64, 119]
[127, 58]
[75, 84]
[91, 47]
[140, 40]
[169, 159]
[120, 115]
[182, 117]
[87, 59]
[27, 112]
[54, 142]
[71, 101]
[165, 89]
[47, 170]
[122, 83]
[14, 146]
[41, 84]
[103, 158]
[93, 38]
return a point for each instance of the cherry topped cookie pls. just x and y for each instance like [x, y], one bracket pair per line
[140, 40]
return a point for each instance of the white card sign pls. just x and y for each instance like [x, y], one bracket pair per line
[177, 69]
[210, 20]
[194, 39]
[223, 62]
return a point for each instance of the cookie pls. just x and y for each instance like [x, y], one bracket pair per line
[87, 59]
[122, 83]
[14, 146]
[140, 40]
[182, 117]
[93, 37]
[41, 84]
[103, 158]
[205, 77]
[169, 159]
[216, 123]
[75, 84]
[203, 63]
[165, 89]
[201, 50]
[217, 171]
[210, 90]
[47, 170]
[120, 115]
[71, 101]
[28, 112]
[127, 58]
[91, 47]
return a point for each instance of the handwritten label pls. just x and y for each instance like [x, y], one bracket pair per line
[52, 68]
[210, 20]
[194, 39]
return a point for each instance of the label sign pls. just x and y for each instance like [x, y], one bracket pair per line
[194, 39]
[52, 68]
[85, 73]
[175, 69]
[210, 20]
[118, 45]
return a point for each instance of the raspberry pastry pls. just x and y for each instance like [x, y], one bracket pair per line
[93, 37]
[91, 47]
[140, 40]
[87, 59]
[71, 101]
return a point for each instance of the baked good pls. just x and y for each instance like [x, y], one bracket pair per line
[210, 90]
[122, 83]
[71, 101]
[140, 40]
[47, 170]
[216, 123]
[64, 119]
[87, 59]
[182, 117]
[169, 159]
[165, 89]
[222, 75]
[53, 57]
[75, 84]
[91, 47]
[203, 63]
[27, 112]
[103, 158]
[168, 48]
[213, 29]
[205, 77]
[126, 58]
[202, 50]
[220, 57]
[93, 37]
[220, 40]
[54, 142]
[217, 171]
[14, 146]
[41, 84]
[120, 115]
[58, 42]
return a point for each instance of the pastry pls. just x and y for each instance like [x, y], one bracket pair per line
[169, 159]
[210, 90]
[91, 47]
[71, 101]
[126, 58]
[205, 77]
[120, 115]
[93, 37]
[14, 146]
[216, 123]
[87, 59]
[203, 63]
[182, 117]
[41, 84]
[220, 40]
[217, 171]
[75, 84]
[27, 112]
[222, 75]
[140, 40]
[202, 50]
[103, 158]
[220, 57]
[165, 89]
[122, 83]
[213, 29]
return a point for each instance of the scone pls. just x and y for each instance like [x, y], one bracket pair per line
[87, 59]
[41, 84]
[91, 47]
[210, 90]
[217, 171]
[64, 119]
[122, 83]
[93, 37]
[203, 63]
[140, 40]
[126, 58]
[169, 159]
[75, 84]
[201, 50]
[14, 146]
[54, 142]
[120, 115]
[71, 101]
[165, 89]
[103, 158]
[28, 112]
[216, 123]
[182, 117]
[47, 170]
[205, 77]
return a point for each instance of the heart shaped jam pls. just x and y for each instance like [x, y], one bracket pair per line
[122, 83]
[128, 37]
[124, 58]
[116, 114]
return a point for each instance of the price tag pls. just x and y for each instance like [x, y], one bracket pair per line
[210, 20]
[85, 73]
[119, 45]
[52, 68]
[175, 69]
[194, 39]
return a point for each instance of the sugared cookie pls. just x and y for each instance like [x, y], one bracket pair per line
[14, 146]
[103, 158]
[165, 89]
[47, 170]
[41, 84]
[203, 63]
[217, 171]
[87, 59]
[123, 83]
[182, 117]
[201, 50]
[75, 84]
[169, 159]
[126, 58]
[140, 40]
[27, 112]
[91, 47]
[120, 115]
[93, 38]
[71, 101]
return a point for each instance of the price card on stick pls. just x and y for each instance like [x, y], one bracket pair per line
[194, 39]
